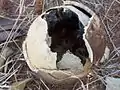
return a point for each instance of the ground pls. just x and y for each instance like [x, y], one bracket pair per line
[17, 15]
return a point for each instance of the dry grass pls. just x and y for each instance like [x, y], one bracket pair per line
[15, 68]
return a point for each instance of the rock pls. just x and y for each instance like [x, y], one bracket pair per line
[112, 83]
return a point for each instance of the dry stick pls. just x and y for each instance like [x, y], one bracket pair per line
[108, 18]
[4, 87]
[16, 31]
[110, 40]
[23, 27]
[114, 50]
[100, 3]
[14, 2]
[15, 42]
[24, 6]
[88, 2]
[43, 6]
[10, 35]
[57, 3]
[87, 86]
[15, 77]
[12, 67]
[38, 83]
[48, 3]
[117, 1]
[99, 79]
[109, 60]
[5, 17]
[115, 25]
[111, 57]
[6, 64]
[8, 41]
[103, 81]
[107, 25]
[31, 4]
[108, 9]
[3, 78]
[29, 21]
[75, 85]
[82, 85]
[7, 34]
[118, 52]
[44, 84]
[11, 75]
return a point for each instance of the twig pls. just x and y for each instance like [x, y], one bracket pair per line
[108, 9]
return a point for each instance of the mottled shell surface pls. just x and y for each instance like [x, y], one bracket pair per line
[94, 39]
